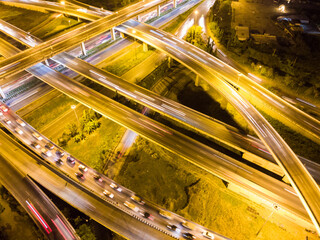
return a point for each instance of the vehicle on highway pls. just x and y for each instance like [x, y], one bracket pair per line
[80, 175]
[115, 187]
[7, 121]
[18, 130]
[49, 146]
[188, 225]
[98, 178]
[165, 214]
[173, 227]
[108, 194]
[83, 168]
[208, 234]
[59, 161]
[71, 160]
[35, 145]
[20, 122]
[37, 136]
[188, 236]
[3, 108]
[147, 215]
[59, 153]
[131, 206]
[46, 152]
[137, 199]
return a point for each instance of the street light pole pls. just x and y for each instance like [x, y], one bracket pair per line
[73, 107]
[275, 208]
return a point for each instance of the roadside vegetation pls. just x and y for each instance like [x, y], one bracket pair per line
[111, 5]
[132, 58]
[288, 65]
[175, 184]
[15, 223]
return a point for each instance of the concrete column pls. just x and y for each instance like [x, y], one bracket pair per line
[2, 93]
[113, 34]
[197, 81]
[174, 3]
[83, 49]
[138, 18]
[145, 47]
[121, 34]
[158, 10]
[46, 62]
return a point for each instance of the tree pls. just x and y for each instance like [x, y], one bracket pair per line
[85, 232]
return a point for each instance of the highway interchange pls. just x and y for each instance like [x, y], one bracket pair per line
[190, 57]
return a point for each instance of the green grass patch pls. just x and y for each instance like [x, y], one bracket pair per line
[104, 138]
[129, 60]
[49, 111]
[299, 143]
[22, 18]
[170, 181]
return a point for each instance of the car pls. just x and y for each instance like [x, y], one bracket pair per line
[188, 225]
[1, 113]
[46, 152]
[115, 187]
[71, 160]
[98, 178]
[7, 121]
[18, 130]
[165, 214]
[49, 146]
[3, 108]
[20, 122]
[147, 215]
[137, 199]
[173, 227]
[37, 136]
[188, 236]
[131, 206]
[59, 153]
[208, 234]
[80, 175]
[83, 168]
[108, 194]
[35, 145]
[59, 161]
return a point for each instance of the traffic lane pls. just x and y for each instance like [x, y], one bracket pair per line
[38, 206]
[46, 50]
[75, 195]
[126, 115]
[280, 150]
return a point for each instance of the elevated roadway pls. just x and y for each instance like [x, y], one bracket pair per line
[46, 215]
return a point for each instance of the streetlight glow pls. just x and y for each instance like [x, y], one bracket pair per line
[62, 2]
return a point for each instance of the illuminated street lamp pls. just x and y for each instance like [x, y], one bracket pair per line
[276, 207]
[73, 107]
[239, 75]
[63, 3]
[282, 8]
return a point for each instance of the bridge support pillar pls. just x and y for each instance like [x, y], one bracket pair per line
[169, 62]
[113, 34]
[138, 18]
[2, 93]
[174, 3]
[158, 11]
[46, 62]
[83, 49]
[145, 47]
[197, 81]
[121, 35]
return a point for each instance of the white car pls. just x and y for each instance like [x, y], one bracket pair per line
[37, 136]
[131, 206]
[208, 234]
[108, 194]
[20, 122]
[83, 168]
[46, 152]
[165, 214]
[18, 130]
[115, 187]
